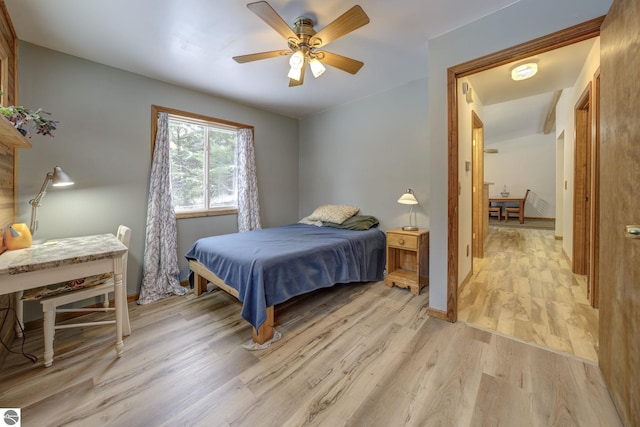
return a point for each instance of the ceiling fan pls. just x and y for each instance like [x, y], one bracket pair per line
[304, 42]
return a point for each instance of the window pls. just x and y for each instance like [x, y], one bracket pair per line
[203, 164]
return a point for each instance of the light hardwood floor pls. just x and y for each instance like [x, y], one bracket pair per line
[524, 288]
[351, 355]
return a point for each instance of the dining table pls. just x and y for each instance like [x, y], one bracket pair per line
[502, 201]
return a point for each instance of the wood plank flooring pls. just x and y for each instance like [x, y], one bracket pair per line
[524, 288]
[351, 355]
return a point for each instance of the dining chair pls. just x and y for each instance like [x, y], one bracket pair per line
[495, 210]
[517, 209]
[53, 296]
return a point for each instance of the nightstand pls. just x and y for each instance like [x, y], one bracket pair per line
[407, 259]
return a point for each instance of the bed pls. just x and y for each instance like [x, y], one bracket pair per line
[266, 267]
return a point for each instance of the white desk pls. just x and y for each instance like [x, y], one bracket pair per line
[65, 259]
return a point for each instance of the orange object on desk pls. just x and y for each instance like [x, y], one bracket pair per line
[17, 236]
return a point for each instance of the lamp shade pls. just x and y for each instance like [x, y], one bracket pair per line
[295, 73]
[297, 59]
[316, 67]
[408, 198]
[60, 178]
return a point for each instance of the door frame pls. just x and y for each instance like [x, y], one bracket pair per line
[571, 35]
[593, 289]
[582, 183]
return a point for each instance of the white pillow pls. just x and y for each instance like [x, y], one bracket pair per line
[333, 213]
[306, 220]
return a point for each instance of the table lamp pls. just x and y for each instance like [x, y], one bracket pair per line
[57, 178]
[409, 199]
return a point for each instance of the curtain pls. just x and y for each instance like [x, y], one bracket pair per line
[248, 205]
[160, 270]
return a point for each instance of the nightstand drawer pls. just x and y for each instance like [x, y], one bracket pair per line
[402, 241]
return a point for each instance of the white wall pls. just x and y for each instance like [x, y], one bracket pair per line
[104, 143]
[518, 23]
[525, 163]
[367, 153]
[565, 124]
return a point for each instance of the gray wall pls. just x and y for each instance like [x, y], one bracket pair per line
[367, 153]
[104, 143]
[518, 23]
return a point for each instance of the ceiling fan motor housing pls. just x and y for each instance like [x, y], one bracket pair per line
[303, 27]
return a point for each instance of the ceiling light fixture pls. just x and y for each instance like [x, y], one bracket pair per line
[295, 73]
[524, 71]
[297, 63]
[316, 67]
[297, 59]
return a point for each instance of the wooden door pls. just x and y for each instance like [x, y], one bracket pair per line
[479, 210]
[619, 257]
[582, 184]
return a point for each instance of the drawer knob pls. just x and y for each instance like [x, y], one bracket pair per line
[401, 241]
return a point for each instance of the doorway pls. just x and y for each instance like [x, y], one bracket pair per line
[553, 41]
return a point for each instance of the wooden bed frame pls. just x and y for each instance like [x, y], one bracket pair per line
[202, 275]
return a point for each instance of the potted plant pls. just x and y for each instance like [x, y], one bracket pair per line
[26, 120]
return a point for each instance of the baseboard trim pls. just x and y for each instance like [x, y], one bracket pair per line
[542, 218]
[438, 314]
[466, 279]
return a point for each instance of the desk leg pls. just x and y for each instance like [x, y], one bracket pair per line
[19, 314]
[521, 212]
[119, 302]
[49, 313]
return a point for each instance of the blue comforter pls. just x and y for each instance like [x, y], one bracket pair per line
[270, 266]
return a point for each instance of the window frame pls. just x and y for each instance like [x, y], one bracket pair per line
[206, 120]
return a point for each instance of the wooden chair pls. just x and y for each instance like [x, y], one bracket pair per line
[517, 210]
[495, 210]
[53, 296]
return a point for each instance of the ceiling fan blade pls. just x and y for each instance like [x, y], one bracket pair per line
[262, 55]
[352, 19]
[271, 17]
[294, 82]
[341, 62]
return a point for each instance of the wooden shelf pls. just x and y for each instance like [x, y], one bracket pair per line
[10, 136]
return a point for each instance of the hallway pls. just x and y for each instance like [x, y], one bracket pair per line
[524, 288]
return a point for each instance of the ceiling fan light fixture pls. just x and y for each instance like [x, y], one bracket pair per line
[524, 71]
[316, 67]
[303, 40]
[297, 60]
[295, 73]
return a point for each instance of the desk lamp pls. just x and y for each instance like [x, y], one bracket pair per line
[409, 199]
[57, 178]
